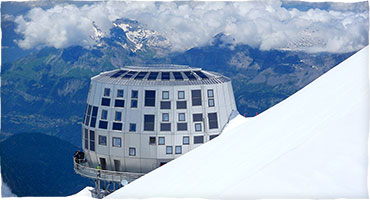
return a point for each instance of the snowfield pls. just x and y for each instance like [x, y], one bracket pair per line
[312, 145]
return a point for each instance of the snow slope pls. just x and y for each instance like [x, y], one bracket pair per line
[311, 145]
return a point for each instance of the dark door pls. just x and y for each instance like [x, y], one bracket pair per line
[103, 163]
[117, 165]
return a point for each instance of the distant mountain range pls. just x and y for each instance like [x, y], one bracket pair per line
[46, 90]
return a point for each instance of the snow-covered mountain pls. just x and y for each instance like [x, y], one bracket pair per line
[311, 145]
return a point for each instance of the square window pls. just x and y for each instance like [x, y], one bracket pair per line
[152, 140]
[211, 102]
[181, 116]
[198, 127]
[182, 126]
[116, 142]
[106, 92]
[132, 151]
[165, 117]
[134, 93]
[105, 101]
[198, 139]
[161, 141]
[103, 124]
[118, 116]
[117, 126]
[132, 127]
[166, 105]
[210, 93]
[165, 95]
[120, 93]
[181, 94]
[178, 150]
[104, 114]
[165, 127]
[168, 149]
[119, 103]
[185, 140]
[134, 103]
[180, 104]
[102, 140]
[198, 117]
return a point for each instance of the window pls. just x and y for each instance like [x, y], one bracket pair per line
[198, 139]
[134, 94]
[92, 140]
[165, 95]
[86, 138]
[212, 137]
[198, 117]
[103, 124]
[185, 140]
[116, 142]
[134, 97]
[180, 104]
[93, 116]
[166, 105]
[198, 127]
[161, 141]
[149, 98]
[165, 117]
[105, 101]
[104, 114]
[87, 120]
[132, 127]
[196, 97]
[118, 116]
[106, 92]
[178, 150]
[133, 103]
[148, 122]
[117, 126]
[182, 126]
[181, 116]
[210, 93]
[132, 151]
[119, 93]
[102, 140]
[165, 126]
[212, 120]
[181, 95]
[168, 149]
[211, 102]
[152, 140]
[119, 103]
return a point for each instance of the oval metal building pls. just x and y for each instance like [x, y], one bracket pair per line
[138, 118]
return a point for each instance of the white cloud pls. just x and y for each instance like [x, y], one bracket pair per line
[266, 25]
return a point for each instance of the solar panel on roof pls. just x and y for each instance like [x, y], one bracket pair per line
[129, 74]
[201, 74]
[177, 76]
[153, 75]
[141, 75]
[190, 75]
[119, 73]
[165, 76]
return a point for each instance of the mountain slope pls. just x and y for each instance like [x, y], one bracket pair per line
[311, 145]
[34, 164]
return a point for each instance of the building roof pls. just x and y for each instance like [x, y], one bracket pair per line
[164, 75]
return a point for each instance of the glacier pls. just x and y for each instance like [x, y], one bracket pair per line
[313, 145]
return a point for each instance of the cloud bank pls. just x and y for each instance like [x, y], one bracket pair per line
[264, 25]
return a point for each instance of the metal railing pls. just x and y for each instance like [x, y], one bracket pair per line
[84, 170]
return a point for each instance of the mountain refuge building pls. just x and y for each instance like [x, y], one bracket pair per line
[138, 118]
